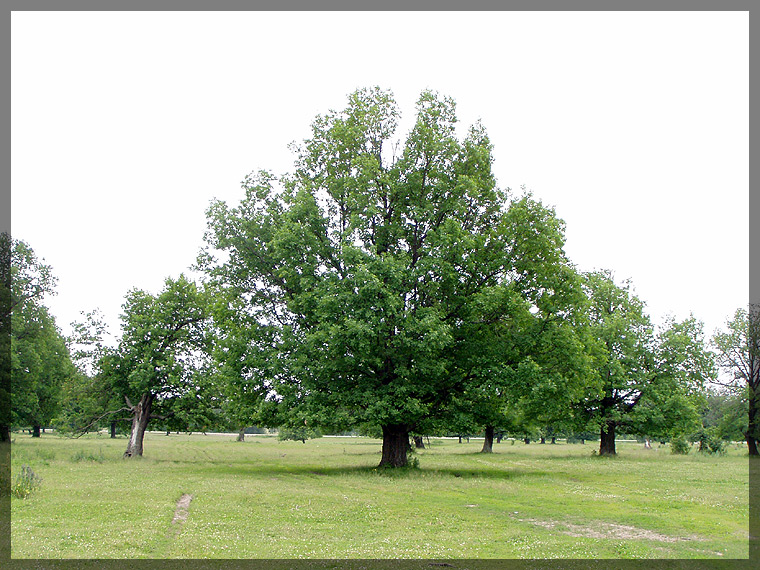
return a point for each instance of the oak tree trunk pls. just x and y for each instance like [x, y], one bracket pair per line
[543, 440]
[241, 435]
[418, 443]
[5, 433]
[140, 418]
[607, 439]
[554, 441]
[488, 440]
[395, 446]
[113, 430]
[35, 431]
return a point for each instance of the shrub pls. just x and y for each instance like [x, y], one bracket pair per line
[82, 455]
[26, 483]
[680, 446]
[710, 443]
[298, 433]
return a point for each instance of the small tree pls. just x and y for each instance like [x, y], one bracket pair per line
[297, 433]
[89, 400]
[650, 384]
[623, 359]
[738, 354]
[157, 366]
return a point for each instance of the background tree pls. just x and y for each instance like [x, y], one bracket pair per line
[738, 354]
[40, 366]
[683, 368]
[5, 338]
[88, 399]
[157, 367]
[624, 359]
[725, 412]
[650, 384]
[39, 358]
[368, 263]
[240, 343]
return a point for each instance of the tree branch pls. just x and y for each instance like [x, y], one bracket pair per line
[86, 428]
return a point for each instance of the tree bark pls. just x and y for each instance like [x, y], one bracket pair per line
[607, 439]
[526, 440]
[418, 443]
[554, 440]
[543, 440]
[488, 440]
[752, 427]
[35, 431]
[241, 435]
[5, 433]
[395, 446]
[140, 418]
[113, 430]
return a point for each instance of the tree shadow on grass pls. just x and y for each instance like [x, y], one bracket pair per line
[274, 470]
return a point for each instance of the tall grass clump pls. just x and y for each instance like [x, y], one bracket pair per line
[82, 455]
[25, 483]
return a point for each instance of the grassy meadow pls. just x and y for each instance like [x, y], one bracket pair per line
[196, 496]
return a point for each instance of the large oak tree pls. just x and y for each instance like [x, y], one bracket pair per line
[365, 263]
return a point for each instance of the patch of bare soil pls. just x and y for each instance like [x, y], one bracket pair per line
[606, 530]
[181, 512]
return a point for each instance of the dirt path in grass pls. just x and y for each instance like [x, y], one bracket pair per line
[606, 530]
[180, 513]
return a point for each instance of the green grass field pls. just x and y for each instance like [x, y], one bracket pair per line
[324, 499]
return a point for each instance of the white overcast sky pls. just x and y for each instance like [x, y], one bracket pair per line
[633, 125]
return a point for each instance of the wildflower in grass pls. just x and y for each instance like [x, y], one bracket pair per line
[26, 483]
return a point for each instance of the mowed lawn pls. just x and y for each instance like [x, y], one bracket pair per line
[263, 498]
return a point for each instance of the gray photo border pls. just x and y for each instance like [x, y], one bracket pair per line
[330, 5]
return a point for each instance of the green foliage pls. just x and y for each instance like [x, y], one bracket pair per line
[727, 413]
[680, 445]
[25, 483]
[160, 365]
[376, 284]
[298, 433]
[40, 362]
[372, 430]
[622, 354]
[711, 443]
[650, 384]
[90, 401]
[738, 354]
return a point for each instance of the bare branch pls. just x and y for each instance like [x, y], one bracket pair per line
[86, 428]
